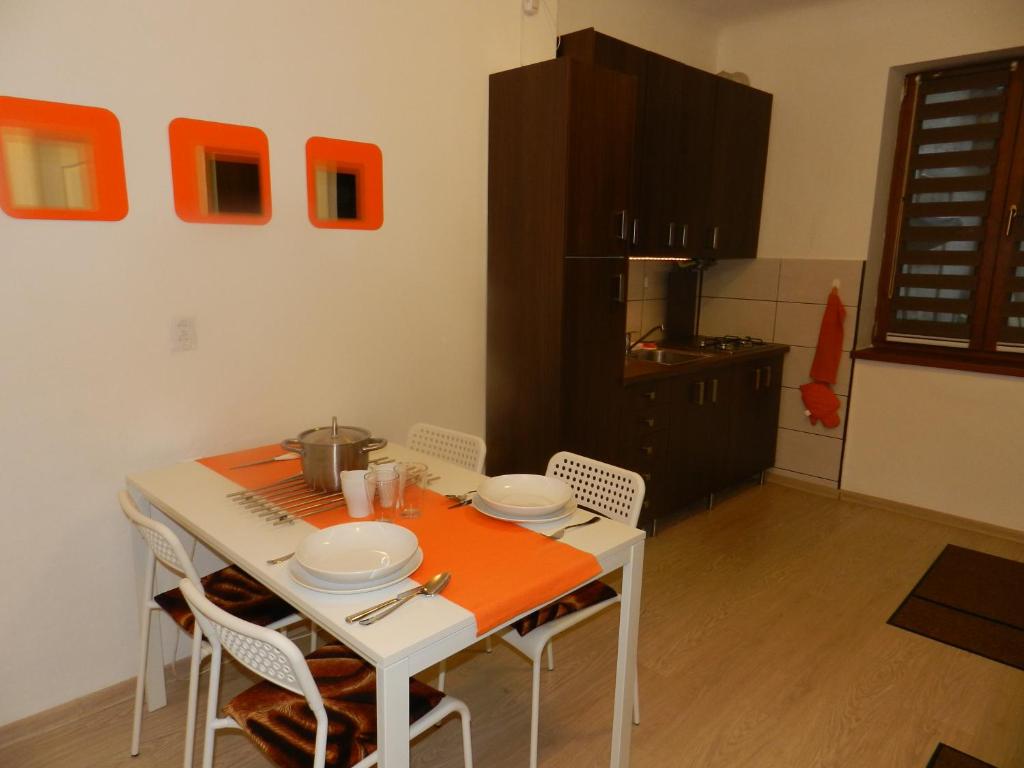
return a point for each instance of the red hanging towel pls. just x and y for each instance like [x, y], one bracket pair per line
[821, 403]
[830, 340]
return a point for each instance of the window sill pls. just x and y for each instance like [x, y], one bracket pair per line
[999, 363]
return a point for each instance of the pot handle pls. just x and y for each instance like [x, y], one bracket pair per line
[373, 444]
[292, 445]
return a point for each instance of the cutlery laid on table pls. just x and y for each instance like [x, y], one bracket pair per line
[281, 559]
[282, 457]
[377, 612]
[561, 531]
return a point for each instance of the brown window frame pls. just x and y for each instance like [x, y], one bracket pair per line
[993, 277]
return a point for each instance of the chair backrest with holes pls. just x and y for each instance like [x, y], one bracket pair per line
[460, 448]
[614, 492]
[161, 540]
[269, 654]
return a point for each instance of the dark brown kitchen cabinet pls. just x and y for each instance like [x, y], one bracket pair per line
[739, 155]
[643, 438]
[700, 152]
[560, 153]
[755, 417]
[698, 449]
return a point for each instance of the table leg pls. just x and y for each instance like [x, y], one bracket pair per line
[393, 715]
[625, 667]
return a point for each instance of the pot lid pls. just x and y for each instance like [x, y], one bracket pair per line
[334, 435]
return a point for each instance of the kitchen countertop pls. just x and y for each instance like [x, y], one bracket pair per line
[644, 370]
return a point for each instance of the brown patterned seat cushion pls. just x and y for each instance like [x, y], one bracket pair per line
[589, 594]
[236, 592]
[283, 726]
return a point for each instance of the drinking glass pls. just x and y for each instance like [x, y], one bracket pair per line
[383, 489]
[412, 484]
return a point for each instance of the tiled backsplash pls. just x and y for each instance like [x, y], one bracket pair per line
[783, 300]
[648, 289]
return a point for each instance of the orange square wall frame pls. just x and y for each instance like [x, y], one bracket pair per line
[60, 161]
[344, 184]
[221, 172]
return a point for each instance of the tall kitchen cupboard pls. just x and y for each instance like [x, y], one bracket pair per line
[700, 153]
[560, 154]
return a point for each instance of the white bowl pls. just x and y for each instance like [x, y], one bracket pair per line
[356, 552]
[525, 495]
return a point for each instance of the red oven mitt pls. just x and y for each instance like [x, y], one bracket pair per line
[821, 402]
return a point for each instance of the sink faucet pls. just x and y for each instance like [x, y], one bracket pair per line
[630, 345]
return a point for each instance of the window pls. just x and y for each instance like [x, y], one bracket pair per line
[951, 291]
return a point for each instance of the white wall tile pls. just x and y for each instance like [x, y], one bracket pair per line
[657, 279]
[809, 454]
[810, 280]
[803, 478]
[791, 415]
[743, 279]
[652, 314]
[798, 324]
[738, 317]
[796, 369]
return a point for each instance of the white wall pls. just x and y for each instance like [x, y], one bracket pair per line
[295, 324]
[665, 26]
[917, 435]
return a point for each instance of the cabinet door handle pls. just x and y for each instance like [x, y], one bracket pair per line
[714, 390]
[1009, 221]
[649, 422]
[621, 215]
[650, 395]
[646, 476]
[682, 241]
[700, 393]
[636, 231]
[767, 376]
[647, 450]
[757, 379]
[714, 239]
[646, 505]
[671, 234]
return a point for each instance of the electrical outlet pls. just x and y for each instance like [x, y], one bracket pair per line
[530, 7]
[184, 337]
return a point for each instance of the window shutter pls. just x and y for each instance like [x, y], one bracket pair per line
[955, 177]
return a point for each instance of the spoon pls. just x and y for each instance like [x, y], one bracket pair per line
[432, 587]
[561, 531]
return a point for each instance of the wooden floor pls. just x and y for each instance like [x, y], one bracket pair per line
[763, 643]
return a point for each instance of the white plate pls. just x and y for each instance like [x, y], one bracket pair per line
[524, 495]
[356, 553]
[301, 576]
[483, 507]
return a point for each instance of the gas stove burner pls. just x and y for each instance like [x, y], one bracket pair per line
[728, 343]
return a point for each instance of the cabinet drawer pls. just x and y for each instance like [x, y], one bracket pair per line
[646, 452]
[645, 401]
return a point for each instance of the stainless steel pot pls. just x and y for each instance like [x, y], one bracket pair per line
[328, 451]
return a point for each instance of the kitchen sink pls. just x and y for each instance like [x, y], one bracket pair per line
[665, 356]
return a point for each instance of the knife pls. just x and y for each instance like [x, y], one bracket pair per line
[400, 596]
[282, 457]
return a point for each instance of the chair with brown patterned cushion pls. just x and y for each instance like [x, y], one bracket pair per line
[231, 588]
[320, 710]
[614, 493]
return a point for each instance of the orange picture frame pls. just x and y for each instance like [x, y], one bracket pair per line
[194, 145]
[363, 164]
[92, 137]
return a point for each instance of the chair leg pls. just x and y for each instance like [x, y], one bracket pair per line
[211, 704]
[140, 683]
[442, 671]
[551, 656]
[313, 640]
[636, 699]
[488, 646]
[467, 741]
[193, 696]
[535, 713]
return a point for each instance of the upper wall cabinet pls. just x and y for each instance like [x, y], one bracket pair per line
[700, 153]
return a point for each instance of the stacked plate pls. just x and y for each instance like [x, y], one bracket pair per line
[355, 557]
[525, 498]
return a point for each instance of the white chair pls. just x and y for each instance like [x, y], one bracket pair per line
[617, 494]
[237, 589]
[307, 708]
[459, 448]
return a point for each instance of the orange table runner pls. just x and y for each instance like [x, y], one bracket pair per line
[499, 569]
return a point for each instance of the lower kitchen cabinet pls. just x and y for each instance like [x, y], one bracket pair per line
[701, 431]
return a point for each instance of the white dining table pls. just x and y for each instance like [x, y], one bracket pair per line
[424, 632]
